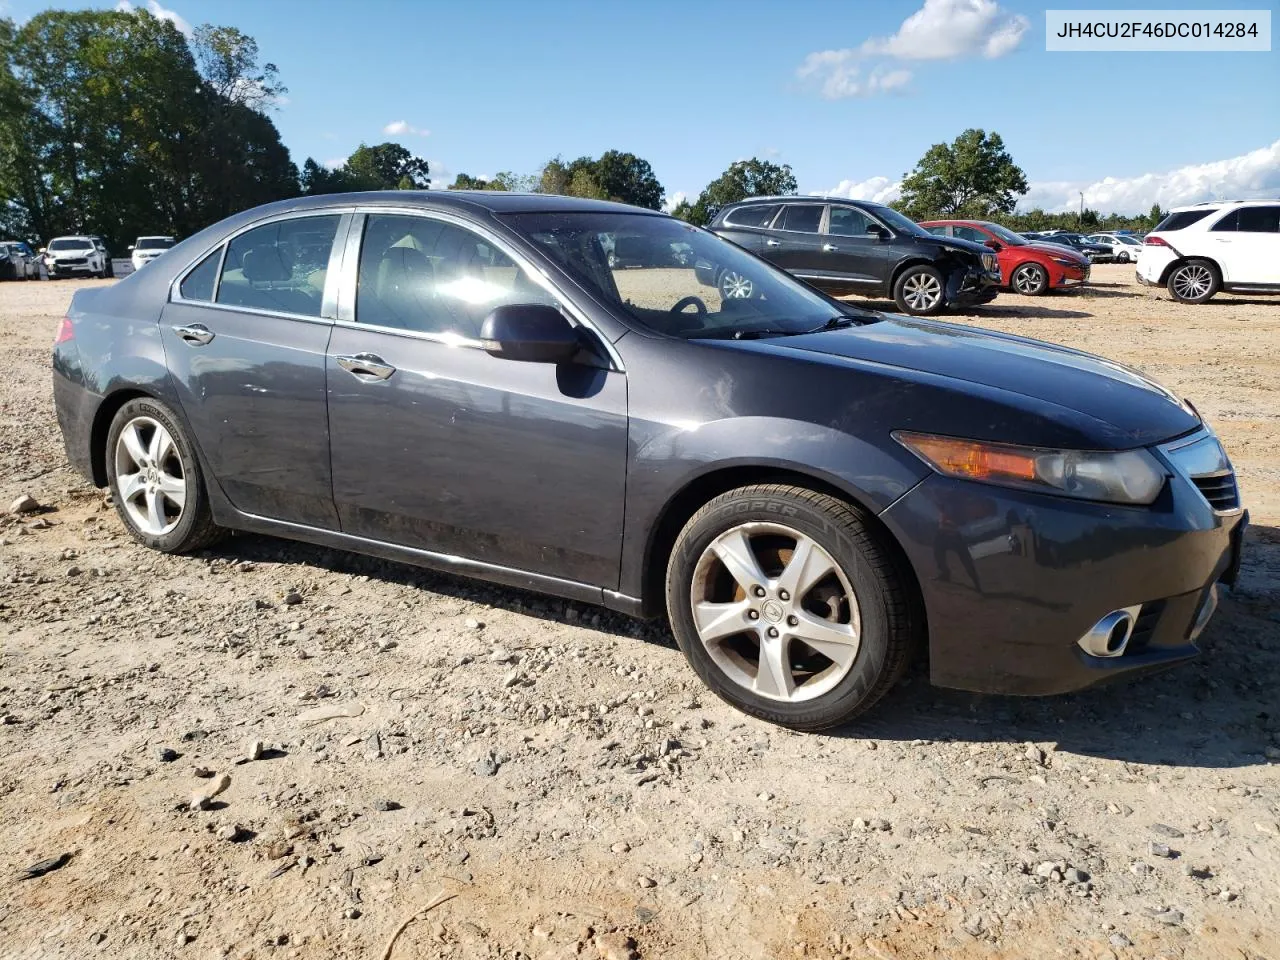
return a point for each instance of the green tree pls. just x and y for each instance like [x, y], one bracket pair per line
[228, 60]
[744, 178]
[973, 176]
[622, 177]
[1155, 216]
[464, 181]
[386, 166]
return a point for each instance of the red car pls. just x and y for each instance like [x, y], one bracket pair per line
[1027, 267]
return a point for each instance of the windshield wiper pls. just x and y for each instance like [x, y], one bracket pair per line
[837, 323]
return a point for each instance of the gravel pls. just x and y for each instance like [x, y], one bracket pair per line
[539, 759]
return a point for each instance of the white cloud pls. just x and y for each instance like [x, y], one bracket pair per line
[334, 163]
[952, 29]
[940, 30]
[160, 13]
[441, 176]
[674, 200]
[875, 189]
[401, 128]
[1254, 174]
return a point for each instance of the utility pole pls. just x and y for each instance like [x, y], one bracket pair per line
[1080, 219]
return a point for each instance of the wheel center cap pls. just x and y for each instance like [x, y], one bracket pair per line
[772, 611]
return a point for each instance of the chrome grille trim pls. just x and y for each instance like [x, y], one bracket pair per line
[1201, 459]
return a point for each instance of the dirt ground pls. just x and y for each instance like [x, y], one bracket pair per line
[559, 773]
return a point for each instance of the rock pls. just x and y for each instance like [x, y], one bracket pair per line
[279, 850]
[621, 847]
[1075, 875]
[647, 882]
[1161, 850]
[74, 571]
[471, 623]
[166, 754]
[1141, 868]
[201, 799]
[1050, 870]
[24, 504]
[385, 806]
[330, 712]
[204, 773]
[1164, 830]
[1166, 915]
[351, 913]
[1120, 940]
[1034, 754]
[292, 598]
[1226, 896]
[384, 644]
[486, 766]
[231, 833]
[879, 823]
[615, 946]
[255, 750]
[511, 679]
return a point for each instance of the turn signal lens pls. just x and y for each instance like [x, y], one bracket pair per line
[65, 332]
[1124, 476]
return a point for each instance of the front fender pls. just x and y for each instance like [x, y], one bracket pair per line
[670, 458]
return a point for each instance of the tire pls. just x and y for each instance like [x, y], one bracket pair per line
[173, 526]
[859, 609]
[1194, 281]
[110, 269]
[1122, 256]
[920, 291]
[1029, 279]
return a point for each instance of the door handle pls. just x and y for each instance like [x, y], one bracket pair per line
[829, 247]
[366, 365]
[772, 243]
[196, 334]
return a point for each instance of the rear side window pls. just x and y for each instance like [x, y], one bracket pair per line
[801, 218]
[199, 283]
[1259, 219]
[969, 233]
[280, 266]
[755, 215]
[1184, 219]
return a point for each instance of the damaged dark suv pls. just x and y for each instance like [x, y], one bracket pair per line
[856, 247]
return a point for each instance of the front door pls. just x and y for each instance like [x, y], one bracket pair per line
[245, 337]
[1255, 257]
[851, 251]
[439, 446]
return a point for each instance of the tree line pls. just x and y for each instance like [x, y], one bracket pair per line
[115, 123]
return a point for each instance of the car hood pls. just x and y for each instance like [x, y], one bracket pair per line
[1056, 250]
[1137, 410]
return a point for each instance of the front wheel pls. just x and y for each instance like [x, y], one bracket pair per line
[156, 480]
[1194, 281]
[1122, 256]
[788, 606]
[735, 286]
[919, 291]
[1030, 280]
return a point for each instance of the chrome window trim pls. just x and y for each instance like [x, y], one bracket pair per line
[822, 219]
[536, 273]
[175, 288]
[763, 225]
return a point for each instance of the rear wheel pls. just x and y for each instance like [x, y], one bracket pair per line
[1030, 280]
[788, 607]
[919, 290]
[1194, 281]
[156, 480]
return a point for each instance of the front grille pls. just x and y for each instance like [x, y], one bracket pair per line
[73, 262]
[990, 263]
[1219, 490]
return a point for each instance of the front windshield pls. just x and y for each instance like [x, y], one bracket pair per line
[1005, 235]
[154, 243]
[675, 278]
[70, 245]
[896, 220]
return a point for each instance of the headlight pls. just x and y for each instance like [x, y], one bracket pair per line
[1064, 261]
[1125, 476]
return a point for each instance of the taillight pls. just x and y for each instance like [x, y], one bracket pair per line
[65, 332]
[1155, 242]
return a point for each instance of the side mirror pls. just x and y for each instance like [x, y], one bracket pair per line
[131, 248]
[877, 231]
[44, 249]
[532, 332]
[995, 245]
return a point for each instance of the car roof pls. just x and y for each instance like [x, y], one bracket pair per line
[801, 198]
[495, 201]
[74, 236]
[1262, 201]
[155, 236]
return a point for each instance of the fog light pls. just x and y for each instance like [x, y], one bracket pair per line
[1207, 607]
[1110, 635]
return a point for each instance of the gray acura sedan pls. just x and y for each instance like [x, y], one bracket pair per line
[806, 490]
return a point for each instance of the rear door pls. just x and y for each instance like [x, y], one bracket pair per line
[439, 446]
[747, 226]
[850, 251]
[245, 336]
[798, 239]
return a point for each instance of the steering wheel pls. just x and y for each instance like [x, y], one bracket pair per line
[690, 302]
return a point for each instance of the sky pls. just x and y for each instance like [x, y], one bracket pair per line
[850, 94]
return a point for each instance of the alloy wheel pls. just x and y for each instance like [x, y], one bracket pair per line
[922, 291]
[1026, 280]
[734, 286]
[151, 482]
[775, 612]
[1192, 281]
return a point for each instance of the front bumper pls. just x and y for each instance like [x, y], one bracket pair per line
[66, 270]
[1011, 580]
[970, 287]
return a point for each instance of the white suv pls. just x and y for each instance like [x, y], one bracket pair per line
[146, 249]
[1197, 251]
[68, 256]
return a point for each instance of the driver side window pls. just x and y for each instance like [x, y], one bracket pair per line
[430, 276]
